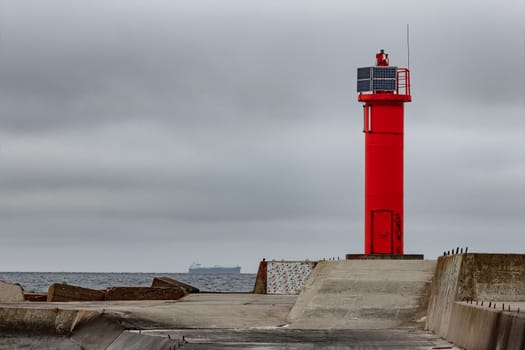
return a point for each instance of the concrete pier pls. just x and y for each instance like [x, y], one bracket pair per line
[352, 304]
[207, 321]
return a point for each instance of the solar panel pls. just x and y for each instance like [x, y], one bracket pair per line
[384, 72]
[376, 79]
[384, 84]
[364, 85]
[364, 73]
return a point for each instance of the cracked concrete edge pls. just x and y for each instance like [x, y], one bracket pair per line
[110, 332]
[97, 333]
[53, 321]
[137, 341]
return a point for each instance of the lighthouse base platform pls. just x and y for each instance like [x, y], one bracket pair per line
[385, 257]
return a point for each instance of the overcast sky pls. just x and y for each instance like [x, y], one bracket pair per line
[145, 135]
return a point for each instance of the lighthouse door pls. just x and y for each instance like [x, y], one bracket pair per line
[382, 232]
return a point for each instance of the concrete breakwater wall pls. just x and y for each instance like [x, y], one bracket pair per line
[483, 328]
[486, 278]
[444, 292]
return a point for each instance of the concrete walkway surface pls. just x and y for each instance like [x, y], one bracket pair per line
[198, 321]
[353, 304]
[207, 310]
[364, 294]
[29, 341]
[246, 339]
[300, 339]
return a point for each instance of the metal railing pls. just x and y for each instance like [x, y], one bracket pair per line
[403, 81]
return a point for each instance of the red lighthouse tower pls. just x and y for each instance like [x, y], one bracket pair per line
[383, 90]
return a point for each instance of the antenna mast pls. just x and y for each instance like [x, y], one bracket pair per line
[408, 46]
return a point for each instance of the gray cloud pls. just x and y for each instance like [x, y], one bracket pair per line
[138, 127]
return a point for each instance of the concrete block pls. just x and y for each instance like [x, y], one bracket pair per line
[167, 282]
[10, 293]
[28, 296]
[137, 341]
[144, 293]
[260, 279]
[97, 334]
[65, 292]
[46, 320]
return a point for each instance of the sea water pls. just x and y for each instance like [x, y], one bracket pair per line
[40, 281]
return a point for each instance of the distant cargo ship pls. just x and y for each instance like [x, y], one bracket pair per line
[198, 268]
